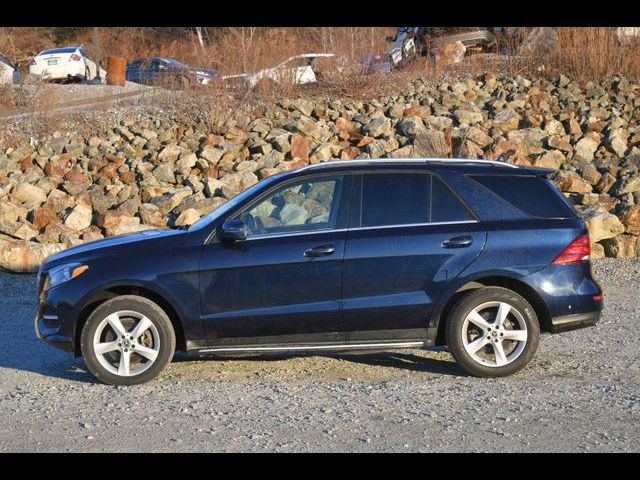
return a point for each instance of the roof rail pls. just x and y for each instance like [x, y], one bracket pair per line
[469, 160]
[356, 161]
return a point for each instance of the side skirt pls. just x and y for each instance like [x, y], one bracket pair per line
[298, 348]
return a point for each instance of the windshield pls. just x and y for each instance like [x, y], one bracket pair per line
[233, 203]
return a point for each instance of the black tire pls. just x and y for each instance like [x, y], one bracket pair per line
[455, 329]
[157, 316]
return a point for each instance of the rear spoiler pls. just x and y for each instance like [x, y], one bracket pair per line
[539, 171]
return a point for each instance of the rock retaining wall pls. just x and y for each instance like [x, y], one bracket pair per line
[64, 190]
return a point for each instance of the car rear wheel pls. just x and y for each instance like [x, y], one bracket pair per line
[492, 332]
[127, 340]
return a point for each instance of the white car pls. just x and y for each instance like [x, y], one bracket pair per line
[299, 69]
[69, 63]
[9, 73]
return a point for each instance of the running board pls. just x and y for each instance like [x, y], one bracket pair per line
[339, 346]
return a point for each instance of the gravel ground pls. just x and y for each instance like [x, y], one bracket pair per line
[580, 393]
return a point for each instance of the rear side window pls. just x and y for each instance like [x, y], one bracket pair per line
[394, 199]
[527, 193]
[407, 198]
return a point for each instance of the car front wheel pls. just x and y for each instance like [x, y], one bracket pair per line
[492, 332]
[127, 340]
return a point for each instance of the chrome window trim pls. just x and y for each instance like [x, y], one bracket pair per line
[314, 347]
[340, 230]
[291, 234]
[425, 224]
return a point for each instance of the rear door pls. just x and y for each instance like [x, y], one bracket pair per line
[409, 235]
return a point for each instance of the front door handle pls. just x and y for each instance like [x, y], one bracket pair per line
[320, 251]
[458, 242]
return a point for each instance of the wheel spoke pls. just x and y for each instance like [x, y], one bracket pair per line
[116, 324]
[501, 316]
[477, 344]
[517, 335]
[105, 347]
[501, 358]
[477, 319]
[123, 368]
[146, 352]
[141, 327]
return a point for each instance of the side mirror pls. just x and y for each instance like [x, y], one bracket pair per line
[233, 231]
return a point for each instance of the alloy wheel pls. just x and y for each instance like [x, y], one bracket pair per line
[126, 343]
[494, 334]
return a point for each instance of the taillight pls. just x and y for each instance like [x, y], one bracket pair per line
[576, 252]
[75, 58]
[32, 61]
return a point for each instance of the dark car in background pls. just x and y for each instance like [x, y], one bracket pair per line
[167, 72]
[352, 255]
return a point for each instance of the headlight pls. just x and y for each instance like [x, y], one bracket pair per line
[63, 273]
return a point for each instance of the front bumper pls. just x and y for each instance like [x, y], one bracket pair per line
[566, 323]
[51, 335]
[50, 327]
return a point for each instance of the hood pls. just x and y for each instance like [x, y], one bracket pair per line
[81, 252]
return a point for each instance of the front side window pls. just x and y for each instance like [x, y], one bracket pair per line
[302, 206]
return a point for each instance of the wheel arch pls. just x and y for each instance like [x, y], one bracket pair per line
[500, 280]
[99, 297]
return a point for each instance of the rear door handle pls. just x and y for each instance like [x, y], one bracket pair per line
[320, 251]
[458, 242]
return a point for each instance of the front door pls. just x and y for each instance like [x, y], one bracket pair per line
[409, 237]
[283, 284]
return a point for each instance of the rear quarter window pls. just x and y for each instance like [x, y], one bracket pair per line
[445, 207]
[530, 194]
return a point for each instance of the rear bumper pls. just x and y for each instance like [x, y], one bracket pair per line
[573, 299]
[574, 322]
[59, 73]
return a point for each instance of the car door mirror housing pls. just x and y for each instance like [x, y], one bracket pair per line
[233, 231]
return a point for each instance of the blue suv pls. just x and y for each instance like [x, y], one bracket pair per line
[479, 256]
